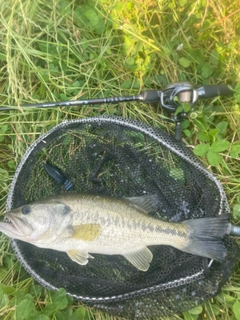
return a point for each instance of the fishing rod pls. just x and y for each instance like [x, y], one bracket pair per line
[169, 98]
[183, 91]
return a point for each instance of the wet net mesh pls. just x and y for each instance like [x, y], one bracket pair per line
[124, 158]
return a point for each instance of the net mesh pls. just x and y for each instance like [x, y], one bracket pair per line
[118, 157]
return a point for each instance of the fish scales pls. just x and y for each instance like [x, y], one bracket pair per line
[119, 217]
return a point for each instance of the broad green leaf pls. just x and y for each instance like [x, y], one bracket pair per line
[20, 296]
[182, 3]
[188, 316]
[3, 299]
[7, 289]
[3, 173]
[236, 309]
[79, 314]
[235, 151]
[3, 128]
[198, 55]
[166, 50]
[36, 290]
[201, 149]
[185, 123]
[59, 302]
[92, 17]
[50, 309]
[203, 136]
[186, 107]
[213, 132]
[60, 316]
[130, 61]
[11, 164]
[229, 298]
[222, 126]
[42, 317]
[185, 63]
[26, 310]
[126, 84]
[136, 83]
[206, 70]
[187, 132]
[196, 310]
[236, 210]
[220, 145]
[60, 299]
[213, 158]
[179, 109]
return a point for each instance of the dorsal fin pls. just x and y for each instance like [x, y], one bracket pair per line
[146, 203]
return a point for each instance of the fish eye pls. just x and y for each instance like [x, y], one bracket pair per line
[26, 210]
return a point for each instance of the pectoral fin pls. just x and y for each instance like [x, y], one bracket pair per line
[140, 259]
[81, 257]
[86, 232]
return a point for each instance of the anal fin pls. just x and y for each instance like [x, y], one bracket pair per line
[140, 259]
[81, 257]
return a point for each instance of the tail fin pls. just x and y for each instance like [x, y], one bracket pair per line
[205, 237]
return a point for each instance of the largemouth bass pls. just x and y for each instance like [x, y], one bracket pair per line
[84, 224]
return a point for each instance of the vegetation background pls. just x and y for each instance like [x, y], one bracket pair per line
[60, 50]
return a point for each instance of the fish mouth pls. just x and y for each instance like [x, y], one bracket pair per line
[15, 227]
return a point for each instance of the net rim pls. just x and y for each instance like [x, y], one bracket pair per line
[145, 129]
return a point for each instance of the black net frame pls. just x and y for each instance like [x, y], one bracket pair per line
[125, 158]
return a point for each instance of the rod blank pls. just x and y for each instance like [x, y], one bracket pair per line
[145, 96]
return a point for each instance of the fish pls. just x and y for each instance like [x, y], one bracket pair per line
[86, 224]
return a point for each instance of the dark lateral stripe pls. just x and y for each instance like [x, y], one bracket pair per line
[171, 231]
[147, 227]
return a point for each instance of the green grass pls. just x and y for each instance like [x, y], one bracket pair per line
[61, 50]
